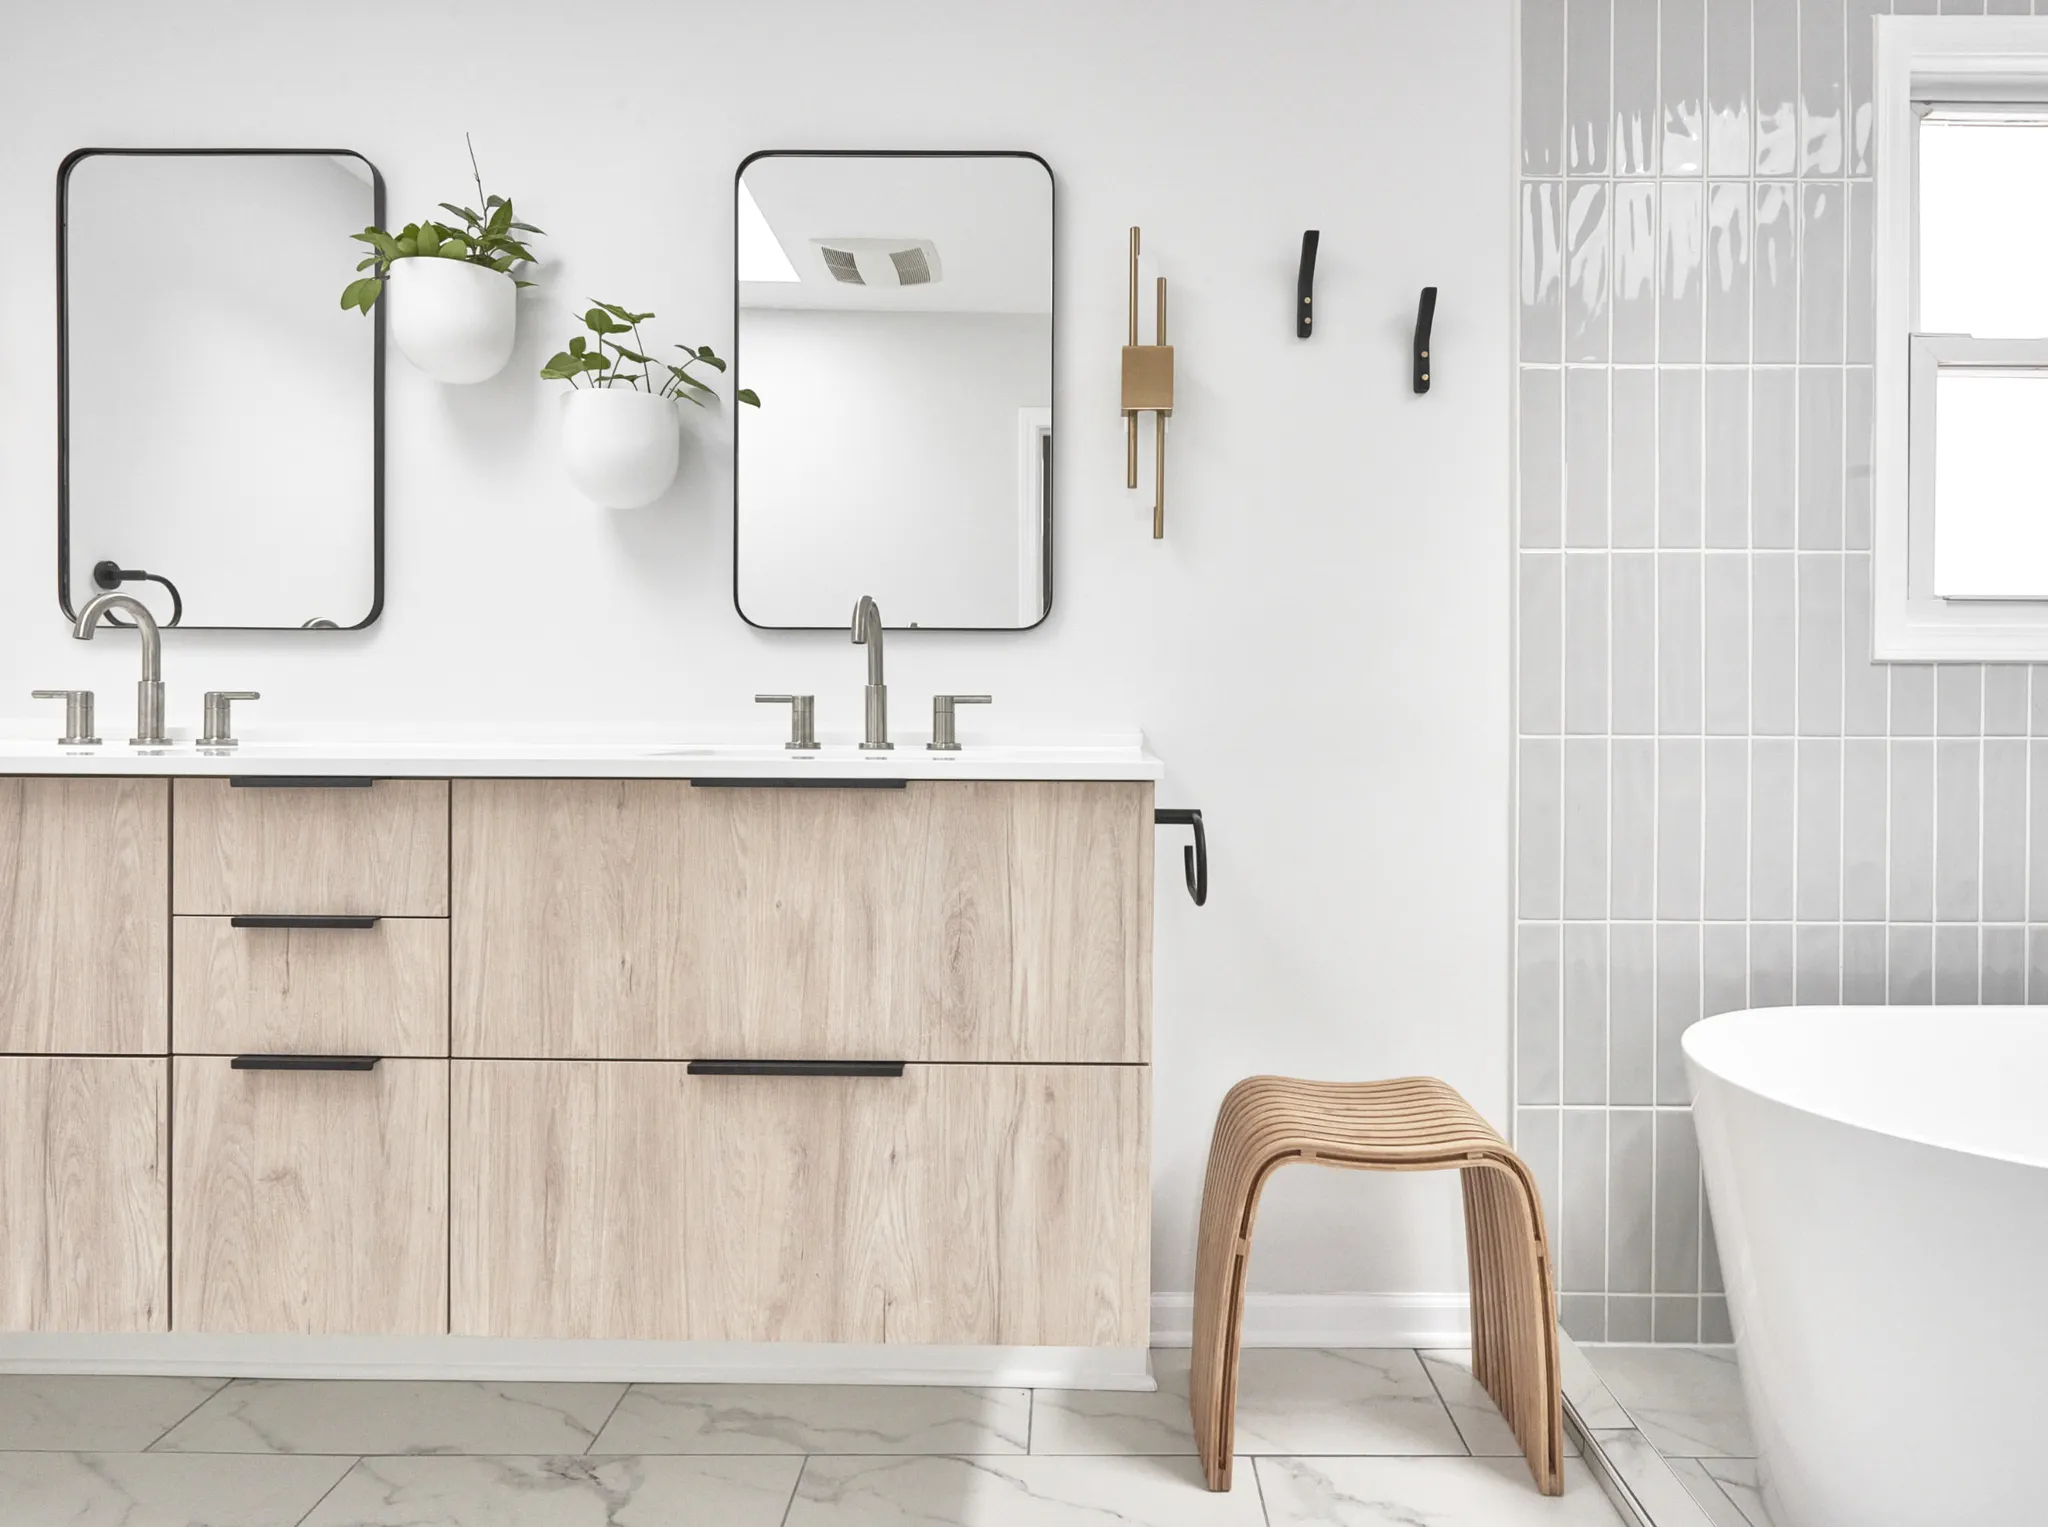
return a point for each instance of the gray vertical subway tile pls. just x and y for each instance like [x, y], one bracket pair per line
[1540, 619]
[1679, 467]
[1585, 1013]
[2037, 845]
[2037, 965]
[1582, 1257]
[1682, 47]
[1585, 827]
[1678, 1005]
[1633, 486]
[1634, 220]
[1680, 805]
[1958, 802]
[1631, 1160]
[1537, 1022]
[1772, 965]
[1726, 793]
[1772, 794]
[1638, 134]
[1675, 1319]
[2007, 8]
[1629, 1317]
[1631, 1014]
[1585, 458]
[1680, 643]
[1588, 252]
[1583, 1316]
[1857, 449]
[1677, 1268]
[1542, 457]
[1959, 700]
[1866, 685]
[1542, 271]
[1820, 459]
[1820, 644]
[1774, 274]
[1859, 40]
[1912, 832]
[1955, 964]
[1823, 232]
[2005, 700]
[1818, 972]
[1716, 1329]
[1859, 274]
[1536, 1142]
[1634, 579]
[1774, 643]
[1865, 786]
[1681, 249]
[1775, 26]
[1632, 852]
[1912, 699]
[1773, 457]
[1710, 1258]
[1727, 645]
[1727, 270]
[1863, 964]
[1730, 112]
[2005, 830]
[1585, 643]
[1821, 105]
[2037, 699]
[1727, 449]
[1909, 969]
[1540, 829]
[1543, 87]
[1820, 830]
[1587, 97]
[2004, 966]
[1724, 968]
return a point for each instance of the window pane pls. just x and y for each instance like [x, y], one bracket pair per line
[1983, 228]
[1990, 485]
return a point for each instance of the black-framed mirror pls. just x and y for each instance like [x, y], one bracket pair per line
[894, 311]
[220, 417]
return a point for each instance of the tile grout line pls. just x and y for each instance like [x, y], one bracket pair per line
[354, 1464]
[204, 1400]
[598, 1435]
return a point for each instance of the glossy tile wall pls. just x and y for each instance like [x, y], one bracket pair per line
[1722, 803]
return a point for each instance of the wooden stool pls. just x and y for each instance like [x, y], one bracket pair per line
[1415, 1124]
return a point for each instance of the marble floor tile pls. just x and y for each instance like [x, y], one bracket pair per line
[1686, 1400]
[1706, 1491]
[1737, 1478]
[1018, 1492]
[1586, 1393]
[1424, 1492]
[395, 1416]
[1478, 1419]
[91, 1413]
[1289, 1400]
[161, 1489]
[671, 1491]
[803, 1418]
[1647, 1474]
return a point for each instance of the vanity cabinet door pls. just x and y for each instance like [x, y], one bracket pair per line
[311, 1202]
[82, 1209]
[84, 872]
[960, 921]
[378, 850]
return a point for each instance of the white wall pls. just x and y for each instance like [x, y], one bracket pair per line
[1319, 649]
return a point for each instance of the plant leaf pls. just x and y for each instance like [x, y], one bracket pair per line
[361, 293]
[500, 219]
[599, 322]
[631, 355]
[560, 367]
[748, 396]
[495, 201]
[425, 242]
[404, 248]
[522, 283]
[526, 227]
[683, 376]
[367, 262]
[578, 345]
[462, 212]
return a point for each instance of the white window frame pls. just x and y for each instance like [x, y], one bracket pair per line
[1992, 59]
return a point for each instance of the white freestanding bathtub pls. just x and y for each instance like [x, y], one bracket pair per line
[1879, 1182]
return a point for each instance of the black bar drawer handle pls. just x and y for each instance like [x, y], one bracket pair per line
[801, 784]
[298, 782]
[796, 1068]
[1195, 860]
[304, 1063]
[339, 923]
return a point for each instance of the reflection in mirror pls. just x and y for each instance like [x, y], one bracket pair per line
[219, 416]
[895, 313]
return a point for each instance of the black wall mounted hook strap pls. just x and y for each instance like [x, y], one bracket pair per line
[109, 574]
[1195, 860]
[1305, 285]
[1425, 316]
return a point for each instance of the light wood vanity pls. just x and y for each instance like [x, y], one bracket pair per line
[599, 1009]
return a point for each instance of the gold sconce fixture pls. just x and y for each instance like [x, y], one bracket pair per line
[1148, 388]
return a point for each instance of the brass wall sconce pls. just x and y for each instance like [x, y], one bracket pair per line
[1148, 388]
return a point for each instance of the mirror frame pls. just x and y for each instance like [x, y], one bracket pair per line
[70, 161]
[1052, 359]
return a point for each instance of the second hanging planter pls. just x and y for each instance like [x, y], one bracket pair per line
[619, 445]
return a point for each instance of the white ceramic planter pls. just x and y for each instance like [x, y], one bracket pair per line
[619, 445]
[452, 319]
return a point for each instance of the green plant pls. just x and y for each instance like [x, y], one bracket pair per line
[634, 368]
[489, 238]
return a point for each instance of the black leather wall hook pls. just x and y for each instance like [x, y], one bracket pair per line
[1195, 860]
[109, 574]
[1305, 284]
[1425, 315]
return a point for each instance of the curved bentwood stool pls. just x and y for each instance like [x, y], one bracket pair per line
[1416, 1124]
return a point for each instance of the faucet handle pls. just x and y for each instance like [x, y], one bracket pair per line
[944, 739]
[218, 732]
[803, 719]
[77, 714]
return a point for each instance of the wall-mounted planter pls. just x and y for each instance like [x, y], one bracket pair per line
[453, 320]
[619, 445]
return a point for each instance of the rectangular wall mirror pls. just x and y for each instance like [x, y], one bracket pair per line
[220, 415]
[895, 314]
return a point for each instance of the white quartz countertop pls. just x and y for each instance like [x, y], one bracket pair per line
[623, 760]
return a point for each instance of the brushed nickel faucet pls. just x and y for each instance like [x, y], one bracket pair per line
[867, 632]
[149, 691]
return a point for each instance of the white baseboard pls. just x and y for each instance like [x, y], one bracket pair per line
[1328, 1320]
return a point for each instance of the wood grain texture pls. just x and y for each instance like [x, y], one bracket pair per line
[376, 852]
[82, 1200]
[967, 1204]
[310, 1202]
[320, 991]
[970, 921]
[84, 873]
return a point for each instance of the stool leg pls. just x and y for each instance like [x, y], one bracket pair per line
[1229, 1201]
[1514, 1330]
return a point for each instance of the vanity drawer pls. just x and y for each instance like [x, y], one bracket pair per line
[310, 1201]
[331, 986]
[378, 848]
[950, 1204]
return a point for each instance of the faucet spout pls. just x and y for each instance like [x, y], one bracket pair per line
[149, 691]
[867, 632]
